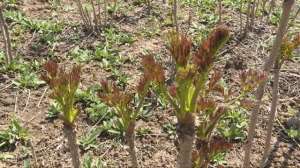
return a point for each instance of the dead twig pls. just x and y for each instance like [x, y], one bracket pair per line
[28, 98]
[43, 95]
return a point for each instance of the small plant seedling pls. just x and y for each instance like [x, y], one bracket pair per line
[114, 36]
[89, 162]
[64, 86]
[115, 126]
[127, 109]
[99, 111]
[53, 111]
[88, 96]
[14, 133]
[88, 141]
[143, 131]
[28, 80]
[293, 133]
[81, 55]
[233, 125]
[170, 129]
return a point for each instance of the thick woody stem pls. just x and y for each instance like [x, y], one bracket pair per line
[130, 138]
[70, 134]
[186, 136]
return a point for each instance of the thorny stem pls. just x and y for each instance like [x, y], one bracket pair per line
[130, 142]
[272, 114]
[5, 32]
[287, 6]
[70, 134]
[186, 135]
[175, 15]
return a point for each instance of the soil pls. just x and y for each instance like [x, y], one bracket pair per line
[154, 149]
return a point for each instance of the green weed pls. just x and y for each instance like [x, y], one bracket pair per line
[233, 124]
[15, 133]
[88, 141]
[89, 162]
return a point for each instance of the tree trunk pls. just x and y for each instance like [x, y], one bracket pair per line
[70, 134]
[272, 114]
[130, 138]
[287, 6]
[186, 136]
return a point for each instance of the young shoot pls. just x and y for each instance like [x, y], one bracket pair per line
[191, 75]
[127, 109]
[63, 86]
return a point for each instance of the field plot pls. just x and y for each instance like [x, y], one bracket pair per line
[149, 83]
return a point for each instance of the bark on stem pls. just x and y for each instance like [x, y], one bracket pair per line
[175, 15]
[186, 136]
[6, 37]
[253, 14]
[70, 134]
[272, 5]
[247, 19]
[287, 6]
[130, 138]
[272, 114]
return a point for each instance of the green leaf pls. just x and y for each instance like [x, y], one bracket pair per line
[72, 115]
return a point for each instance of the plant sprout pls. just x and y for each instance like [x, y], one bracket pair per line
[191, 95]
[64, 86]
[190, 79]
[127, 108]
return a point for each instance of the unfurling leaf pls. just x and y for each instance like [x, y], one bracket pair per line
[113, 96]
[152, 70]
[206, 105]
[206, 53]
[250, 79]
[247, 103]
[287, 48]
[180, 47]
[64, 86]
